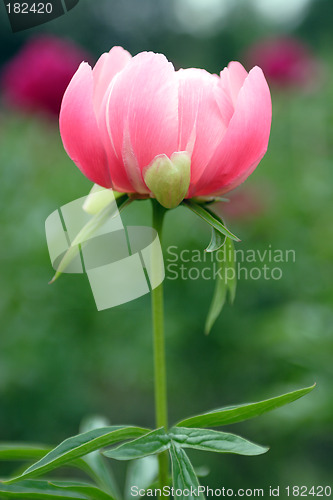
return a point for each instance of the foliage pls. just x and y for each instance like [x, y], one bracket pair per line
[144, 444]
[278, 333]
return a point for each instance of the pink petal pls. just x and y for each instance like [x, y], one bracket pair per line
[107, 66]
[204, 113]
[118, 173]
[142, 114]
[78, 128]
[232, 79]
[245, 141]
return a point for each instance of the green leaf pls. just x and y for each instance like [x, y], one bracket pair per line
[141, 473]
[80, 445]
[36, 489]
[22, 451]
[218, 301]
[209, 217]
[90, 491]
[231, 264]
[29, 451]
[208, 200]
[88, 231]
[202, 471]
[233, 414]
[44, 489]
[218, 239]
[183, 475]
[123, 201]
[226, 281]
[153, 442]
[220, 442]
[96, 466]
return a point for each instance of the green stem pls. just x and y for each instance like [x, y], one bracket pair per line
[161, 410]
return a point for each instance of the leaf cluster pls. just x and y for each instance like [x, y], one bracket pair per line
[88, 451]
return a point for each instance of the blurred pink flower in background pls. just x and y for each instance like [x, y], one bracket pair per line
[245, 204]
[139, 126]
[286, 62]
[36, 78]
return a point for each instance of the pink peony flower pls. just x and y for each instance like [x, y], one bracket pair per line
[139, 126]
[287, 62]
[37, 77]
[244, 204]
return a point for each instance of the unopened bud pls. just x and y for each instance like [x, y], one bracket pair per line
[97, 199]
[169, 178]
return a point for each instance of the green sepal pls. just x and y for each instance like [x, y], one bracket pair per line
[224, 284]
[169, 178]
[217, 239]
[209, 217]
[216, 242]
[99, 197]
[208, 200]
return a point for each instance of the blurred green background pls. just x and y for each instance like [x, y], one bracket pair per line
[61, 360]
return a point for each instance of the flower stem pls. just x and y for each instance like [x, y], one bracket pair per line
[161, 411]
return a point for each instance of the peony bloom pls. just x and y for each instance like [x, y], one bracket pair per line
[245, 205]
[139, 126]
[287, 62]
[37, 77]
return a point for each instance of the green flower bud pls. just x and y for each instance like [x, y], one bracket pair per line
[169, 178]
[97, 199]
